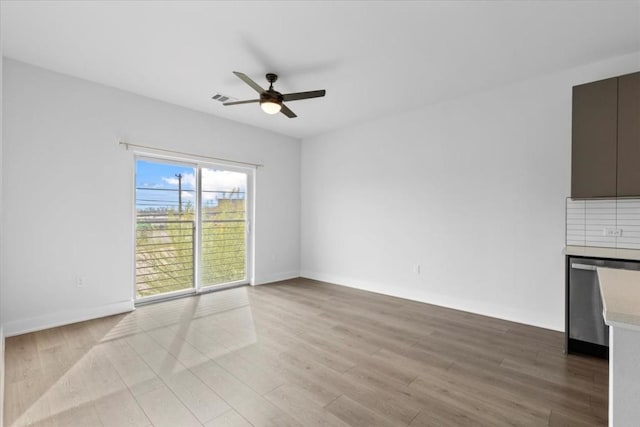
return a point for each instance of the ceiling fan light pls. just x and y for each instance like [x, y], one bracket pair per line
[270, 107]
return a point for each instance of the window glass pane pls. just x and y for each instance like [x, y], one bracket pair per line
[165, 215]
[223, 234]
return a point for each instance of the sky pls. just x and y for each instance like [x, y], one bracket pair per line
[157, 184]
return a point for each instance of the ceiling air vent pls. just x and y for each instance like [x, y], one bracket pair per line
[223, 98]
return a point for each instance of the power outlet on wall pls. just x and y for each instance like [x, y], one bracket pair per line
[417, 268]
[81, 281]
[612, 232]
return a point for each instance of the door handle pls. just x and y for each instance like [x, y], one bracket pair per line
[583, 267]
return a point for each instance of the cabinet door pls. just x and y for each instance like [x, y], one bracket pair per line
[593, 139]
[629, 135]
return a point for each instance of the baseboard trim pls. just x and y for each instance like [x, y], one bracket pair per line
[23, 326]
[263, 280]
[497, 312]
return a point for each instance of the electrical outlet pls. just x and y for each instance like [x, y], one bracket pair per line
[81, 281]
[416, 268]
[612, 232]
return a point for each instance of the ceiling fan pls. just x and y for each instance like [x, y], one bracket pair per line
[271, 101]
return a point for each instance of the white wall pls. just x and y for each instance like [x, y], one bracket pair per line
[1, 287]
[473, 190]
[68, 192]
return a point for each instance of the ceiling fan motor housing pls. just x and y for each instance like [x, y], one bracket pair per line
[271, 96]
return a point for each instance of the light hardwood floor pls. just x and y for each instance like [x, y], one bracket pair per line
[299, 353]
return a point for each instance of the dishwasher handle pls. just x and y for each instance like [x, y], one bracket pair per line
[577, 266]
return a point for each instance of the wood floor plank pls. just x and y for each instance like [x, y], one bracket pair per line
[48, 338]
[120, 409]
[249, 404]
[171, 339]
[298, 377]
[255, 375]
[296, 403]
[83, 415]
[486, 411]
[21, 358]
[229, 419]
[69, 391]
[163, 363]
[131, 368]
[285, 339]
[163, 408]
[299, 353]
[496, 397]
[572, 419]
[142, 343]
[388, 404]
[26, 402]
[357, 415]
[209, 344]
[203, 402]
[100, 377]
[535, 390]
[561, 377]
[436, 414]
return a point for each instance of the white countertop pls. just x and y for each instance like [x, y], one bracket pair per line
[593, 252]
[620, 290]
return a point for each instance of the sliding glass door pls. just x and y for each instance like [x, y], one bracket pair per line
[223, 231]
[165, 227]
[191, 227]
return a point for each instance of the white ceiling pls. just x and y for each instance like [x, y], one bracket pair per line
[373, 58]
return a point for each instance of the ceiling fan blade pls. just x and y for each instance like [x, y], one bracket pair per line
[249, 101]
[287, 112]
[303, 95]
[248, 81]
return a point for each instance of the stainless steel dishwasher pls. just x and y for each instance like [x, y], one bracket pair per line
[587, 332]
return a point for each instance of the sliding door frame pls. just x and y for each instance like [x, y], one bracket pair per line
[248, 223]
[249, 235]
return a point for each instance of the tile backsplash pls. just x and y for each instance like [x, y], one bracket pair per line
[607, 223]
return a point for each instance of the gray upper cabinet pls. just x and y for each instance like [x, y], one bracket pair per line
[593, 135]
[629, 135]
[605, 150]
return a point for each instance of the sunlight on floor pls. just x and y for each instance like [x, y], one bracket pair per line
[134, 354]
